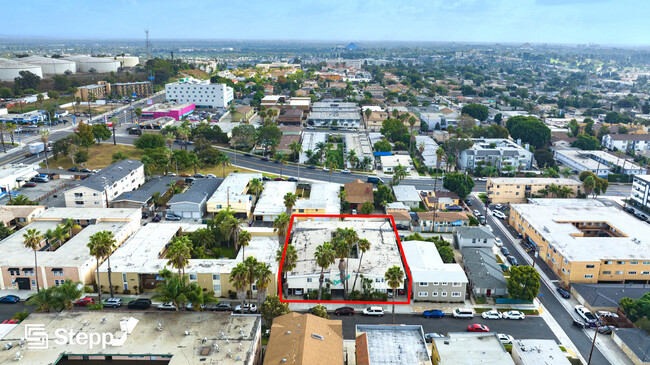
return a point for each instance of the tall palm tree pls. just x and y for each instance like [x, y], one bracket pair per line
[3, 128]
[68, 292]
[351, 238]
[239, 279]
[289, 201]
[342, 251]
[320, 147]
[203, 237]
[69, 224]
[440, 153]
[363, 245]
[395, 278]
[256, 185]
[230, 229]
[263, 274]
[325, 257]
[296, 149]
[178, 254]
[290, 262]
[280, 225]
[251, 264]
[173, 289]
[102, 244]
[45, 136]
[244, 240]
[399, 173]
[224, 161]
[331, 166]
[32, 240]
[352, 156]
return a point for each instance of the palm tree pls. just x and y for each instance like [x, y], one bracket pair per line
[325, 257]
[320, 147]
[104, 243]
[440, 153]
[173, 289]
[239, 278]
[3, 128]
[256, 185]
[263, 274]
[32, 240]
[224, 161]
[363, 245]
[21, 200]
[244, 240]
[289, 201]
[290, 262]
[179, 254]
[230, 229]
[282, 159]
[68, 292]
[280, 225]
[69, 224]
[331, 166]
[367, 162]
[45, 300]
[45, 136]
[399, 173]
[251, 264]
[342, 251]
[395, 279]
[40, 98]
[352, 157]
[72, 150]
[296, 149]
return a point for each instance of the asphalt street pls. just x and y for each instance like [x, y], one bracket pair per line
[547, 296]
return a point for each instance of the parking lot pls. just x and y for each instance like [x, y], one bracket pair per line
[50, 188]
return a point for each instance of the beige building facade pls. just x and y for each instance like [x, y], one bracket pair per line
[515, 190]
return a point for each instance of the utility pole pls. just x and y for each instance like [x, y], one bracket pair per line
[147, 45]
[593, 343]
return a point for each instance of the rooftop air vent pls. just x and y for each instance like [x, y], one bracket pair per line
[317, 336]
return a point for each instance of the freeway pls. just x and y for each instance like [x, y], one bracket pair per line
[547, 294]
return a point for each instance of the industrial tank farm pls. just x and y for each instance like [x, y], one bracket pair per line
[99, 64]
[126, 61]
[10, 69]
[52, 66]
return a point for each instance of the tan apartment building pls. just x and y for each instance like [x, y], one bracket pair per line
[99, 91]
[135, 266]
[584, 241]
[517, 190]
[140, 88]
[234, 193]
[59, 261]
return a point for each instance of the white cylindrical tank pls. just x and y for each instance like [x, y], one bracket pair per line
[52, 66]
[99, 64]
[126, 61]
[10, 69]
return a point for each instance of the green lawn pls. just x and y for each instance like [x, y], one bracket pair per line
[99, 156]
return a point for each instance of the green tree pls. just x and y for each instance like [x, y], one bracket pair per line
[280, 225]
[394, 130]
[101, 245]
[101, 132]
[319, 310]
[84, 135]
[81, 156]
[455, 146]
[586, 142]
[529, 130]
[272, 307]
[446, 253]
[119, 156]
[244, 240]
[460, 184]
[395, 279]
[21, 200]
[622, 129]
[263, 274]
[544, 157]
[269, 136]
[178, 254]
[383, 146]
[149, 141]
[523, 283]
[325, 257]
[290, 262]
[251, 264]
[574, 128]
[244, 136]
[290, 200]
[32, 240]
[476, 111]
[367, 208]
[363, 245]
[239, 278]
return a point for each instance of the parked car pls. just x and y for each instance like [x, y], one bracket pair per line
[468, 202]
[190, 180]
[602, 314]
[606, 330]
[499, 206]
[477, 328]
[585, 313]
[84, 301]
[492, 314]
[247, 155]
[222, 307]
[190, 307]
[112, 302]
[297, 291]
[326, 169]
[513, 315]
[244, 309]
[265, 158]
[266, 178]
[428, 337]
[140, 303]
[172, 217]
[344, 311]
[199, 176]
[373, 311]
[628, 209]
[374, 180]
[88, 171]
[641, 216]
[504, 250]
[156, 218]
[505, 339]
[279, 179]
[211, 176]
[185, 174]
[169, 306]
[346, 171]
[498, 242]
[512, 260]
[463, 313]
[499, 214]
[73, 169]
[433, 313]
[40, 179]
[312, 167]
[476, 212]
[563, 292]
[29, 184]
[292, 179]
[10, 299]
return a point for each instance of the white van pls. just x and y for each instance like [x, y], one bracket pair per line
[463, 313]
[373, 311]
[498, 214]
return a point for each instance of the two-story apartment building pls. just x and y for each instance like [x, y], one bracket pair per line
[496, 152]
[640, 193]
[439, 221]
[98, 190]
[627, 142]
[342, 114]
[511, 190]
[234, 193]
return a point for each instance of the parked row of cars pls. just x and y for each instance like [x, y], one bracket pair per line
[495, 314]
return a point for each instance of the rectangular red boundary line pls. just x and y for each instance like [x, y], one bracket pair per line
[399, 244]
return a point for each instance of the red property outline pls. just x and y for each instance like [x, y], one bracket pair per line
[399, 244]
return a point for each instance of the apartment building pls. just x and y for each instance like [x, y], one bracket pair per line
[496, 152]
[584, 241]
[340, 114]
[101, 90]
[627, 142]
[234, 193]
[600, 163]
[201, 93]
[141, 88]
[513, 190]
[99, 189]
[640, 193]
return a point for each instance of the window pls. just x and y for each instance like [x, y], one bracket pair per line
[443, 283]
[590, 266]
[126, 286]
[443, 294]
[645, 272]
[646, 262]
[79, 202]
[254, 287]
[436, 283]
[607, 272]
[379, 280]
[631, 272]
[455, 294]
[456, 285]
[56, 282]
[423, 294]
[192, 276]
[588, 276]
[608, 262]
[309, 280]
[78, 195]
[634, 262]
[216, 277]
[434, 294]
[424, 284]
[33, 282]
[618, 272]
[620, 262]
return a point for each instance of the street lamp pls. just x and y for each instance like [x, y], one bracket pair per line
[593, 343]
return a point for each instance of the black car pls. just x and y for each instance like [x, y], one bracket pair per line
[468, 202]
[86, 170]
[145, 215]
[292, 179]
[266, 178]
[505, 251]
[311, 167]
[628, 209]
[401, 227]
[140, 303]
[73, 169]
[265, 158]
[563, 292]
[190, 180]
[247, 155]
[512, 260]
[222, 307]
[344, 311]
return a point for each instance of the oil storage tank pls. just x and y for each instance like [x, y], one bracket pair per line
[52, 66]
[99, 64]
[10, 69]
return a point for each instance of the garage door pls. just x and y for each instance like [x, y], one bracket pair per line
[186, 214]
[197, 215]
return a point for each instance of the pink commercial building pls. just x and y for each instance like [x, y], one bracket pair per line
[165, 110]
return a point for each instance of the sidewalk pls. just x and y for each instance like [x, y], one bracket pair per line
[413, 308]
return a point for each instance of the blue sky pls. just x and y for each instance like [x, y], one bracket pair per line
[538, 21]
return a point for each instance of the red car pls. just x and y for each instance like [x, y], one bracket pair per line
[84, 301]
[29, 184]
[477, 328]
[279, 179]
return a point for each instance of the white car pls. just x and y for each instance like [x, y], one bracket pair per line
[169, 306]
[476, 212]
[601, 314]
[244, 309]
[498, 206]
[373, 311]
[513, 315]
[492, 314]
[326, 169]
[498, 214]
[211, 176]
[112, 302]
[298, 292]
[498, 242]
[505, 339]
[346, 171]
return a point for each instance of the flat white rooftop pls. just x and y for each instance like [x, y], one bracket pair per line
[272, 200]
[552, 221]
[471, 349]
[533, 352]
[142, 252]
[427, 266]
[235, 186]
[395, 344]
[534, 181]
[322, 196]
[177, 336]
[406, 193]
[17, 170]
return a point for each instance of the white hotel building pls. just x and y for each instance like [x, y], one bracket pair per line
[200, 92]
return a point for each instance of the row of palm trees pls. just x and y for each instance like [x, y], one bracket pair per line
[250, 272]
